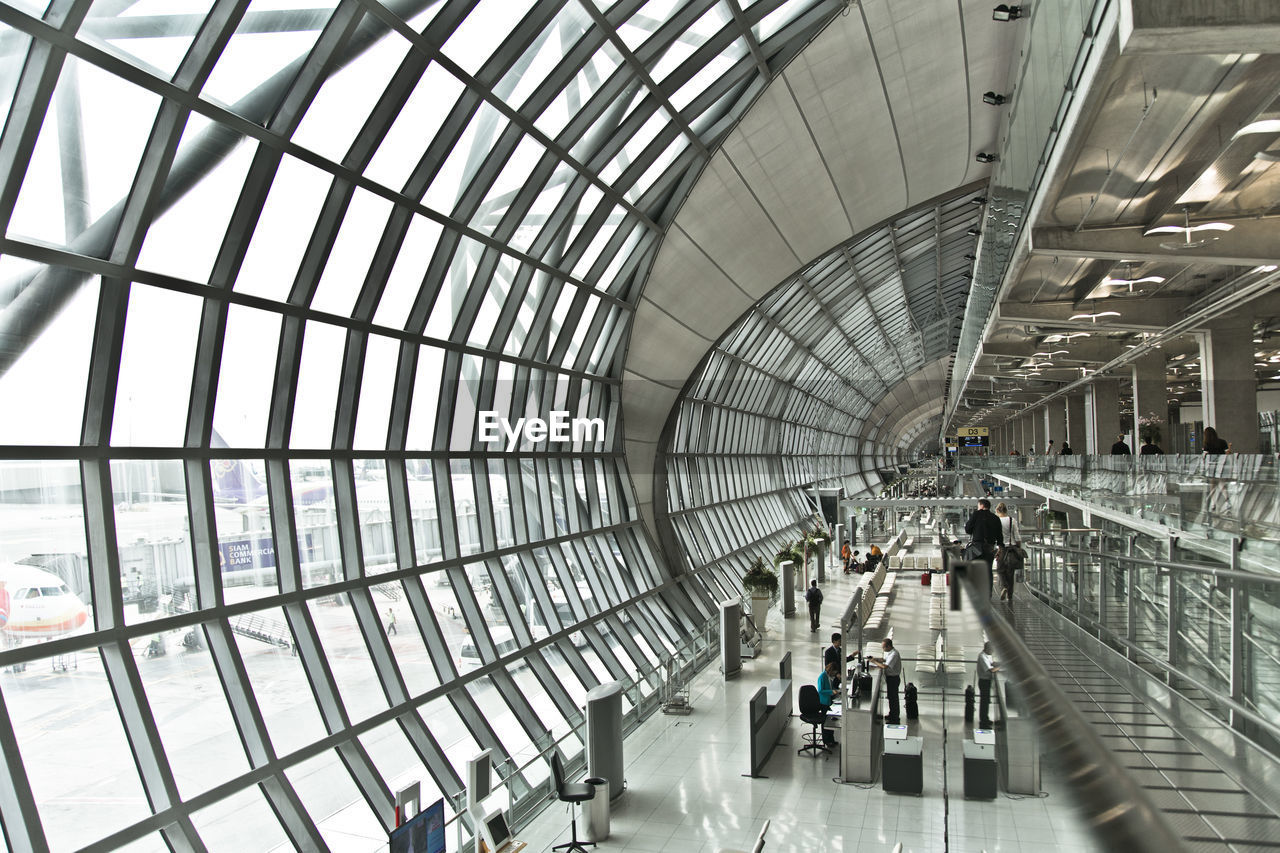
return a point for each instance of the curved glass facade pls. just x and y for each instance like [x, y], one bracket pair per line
[817, 386]
[274, 275]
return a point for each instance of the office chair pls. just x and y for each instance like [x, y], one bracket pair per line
[570, 792]
[812, 712]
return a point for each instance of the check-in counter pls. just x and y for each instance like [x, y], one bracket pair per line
[861, 737]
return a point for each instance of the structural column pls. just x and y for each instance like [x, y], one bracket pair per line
[1102, 415]
[1075, 423]
[1056, 422]
[1229, 389]
[1038, 440]
[1150, 395]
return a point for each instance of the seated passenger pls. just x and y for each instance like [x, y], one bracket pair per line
[828, 693]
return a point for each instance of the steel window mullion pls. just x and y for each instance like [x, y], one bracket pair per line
[285, 388]
[569, 712]
[378, 796]
[323, 58]
[31, 99]
[349, 385]
[204, 533]
[22, 827]
[316, 666]
[346, 506]
[314, 257]
[139, 726]
[477, 723]
[509, 602]
[240, 696]
[433, 756]
[429, 629]
[292, 814]
[284, 531]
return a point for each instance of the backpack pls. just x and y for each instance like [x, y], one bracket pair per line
[813, 595]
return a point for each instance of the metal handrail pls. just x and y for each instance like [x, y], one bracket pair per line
[1116, 808]
[1209, 690]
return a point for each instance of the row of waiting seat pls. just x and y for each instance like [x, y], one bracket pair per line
[876, 588]
[914, 562]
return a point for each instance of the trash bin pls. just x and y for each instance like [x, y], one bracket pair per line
[598, 809]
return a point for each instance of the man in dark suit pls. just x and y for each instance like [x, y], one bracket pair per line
[984, 531]
[1121, 448]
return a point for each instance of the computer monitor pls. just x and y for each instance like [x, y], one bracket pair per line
[422, 833]
[496, 831]
[479, 770]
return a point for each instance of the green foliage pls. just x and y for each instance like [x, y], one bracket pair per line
[793, 552]
[760, 578]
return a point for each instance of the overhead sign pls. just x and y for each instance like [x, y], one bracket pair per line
[966, 431]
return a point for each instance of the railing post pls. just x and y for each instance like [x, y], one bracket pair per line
[1239, 612]
[1103, 622]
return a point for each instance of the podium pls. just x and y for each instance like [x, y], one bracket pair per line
[979, 771]
[902, 765]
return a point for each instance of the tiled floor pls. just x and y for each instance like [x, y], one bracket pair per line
[686, 790]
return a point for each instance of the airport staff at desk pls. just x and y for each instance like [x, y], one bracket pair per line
[891, 664]
[828, 692]
[833, 653]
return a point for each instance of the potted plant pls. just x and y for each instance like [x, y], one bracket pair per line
[1149, 428]
[761, 583]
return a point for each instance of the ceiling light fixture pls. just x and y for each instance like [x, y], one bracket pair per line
[1005, 12]
[1094, 317]
[984, 157]
[1269, 125]
[994, 99]
[1186, 230]
[1120, 282]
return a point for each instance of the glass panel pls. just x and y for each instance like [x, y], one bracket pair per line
[243, 820]
[248, 370]
[465, 158]
[479, 35]
[58, 203]
[191, 713]
[407, 274]
[426, 398]
[160, 336]
[316, 400]
[373, 502]
[419, 121]
[334, 802]
[335, 116]
[422, 507]
[352, 252]
[246, 548]
[184, 239]
[76, 809]
[406, 640]
[42, 547]
[316, 518]
[279, 683]
[150, 39]
[57, 357]
[284, 228]
[256, 53]
[377, 389]
[156, 574]
[398, 763]
[348, 656]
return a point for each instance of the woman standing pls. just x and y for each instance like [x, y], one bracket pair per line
[1006, 562]
[1213, 445]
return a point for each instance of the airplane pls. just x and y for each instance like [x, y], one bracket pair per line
[37, 604]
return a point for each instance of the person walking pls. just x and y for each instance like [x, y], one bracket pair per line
[1006, 563]
[813, 595]
[891, 666]
[1150, 448]
[391, 621]
[1120, 448]
[986, 666]
[985, 535]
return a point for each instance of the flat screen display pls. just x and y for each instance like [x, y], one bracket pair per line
[422, 833]
[499, 834]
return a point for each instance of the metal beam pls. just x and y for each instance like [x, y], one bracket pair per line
[1249, 243]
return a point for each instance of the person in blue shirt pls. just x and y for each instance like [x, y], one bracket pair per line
[828, 693]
